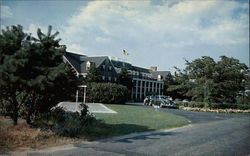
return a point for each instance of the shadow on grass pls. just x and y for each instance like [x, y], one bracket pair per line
[102, 135]
[103, 130]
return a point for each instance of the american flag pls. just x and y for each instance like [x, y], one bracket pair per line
[125, 53]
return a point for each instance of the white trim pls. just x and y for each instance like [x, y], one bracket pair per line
[71, 65]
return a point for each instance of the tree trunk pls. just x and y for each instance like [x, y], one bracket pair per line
[15, 115]
[28, 120]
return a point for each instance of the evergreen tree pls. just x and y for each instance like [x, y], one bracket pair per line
[12, 62]
[125, 79]
[38, 78]
[93, 75]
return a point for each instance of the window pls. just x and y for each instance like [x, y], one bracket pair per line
[110, 68]
[109, 78]
[103, 78]
[115, 79]
[159, 77]
[103, 67]
[88, 64]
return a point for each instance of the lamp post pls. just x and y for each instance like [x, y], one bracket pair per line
[84, 93]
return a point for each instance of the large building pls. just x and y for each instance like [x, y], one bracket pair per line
[145, 81]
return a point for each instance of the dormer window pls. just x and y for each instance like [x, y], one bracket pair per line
[110, 68]
[88, 65]
[159, 77]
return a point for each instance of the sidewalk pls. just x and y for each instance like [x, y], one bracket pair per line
[93, 107]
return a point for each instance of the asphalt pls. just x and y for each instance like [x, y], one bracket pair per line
[208, 134]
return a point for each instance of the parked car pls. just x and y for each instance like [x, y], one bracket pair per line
[148, 100]
[161, 101]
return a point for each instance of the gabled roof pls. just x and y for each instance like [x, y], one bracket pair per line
[120, 64]
[96, 60]
[74, 60]
[139, 69]
[79, 61]
[164, 74]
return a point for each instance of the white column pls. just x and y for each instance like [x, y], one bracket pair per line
[149, 86]
[153, 85]
[162, 87]
[141, 90]
[145, 86]
[136, 89]
[84, 96]
[76, 96]
[132, 90]
[159, 88]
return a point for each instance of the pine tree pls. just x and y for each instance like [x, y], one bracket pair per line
[125, 79]
[12, 62]
[33, 75]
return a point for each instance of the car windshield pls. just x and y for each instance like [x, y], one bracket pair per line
[163, 97]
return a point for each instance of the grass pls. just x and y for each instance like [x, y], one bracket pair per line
[131, 119]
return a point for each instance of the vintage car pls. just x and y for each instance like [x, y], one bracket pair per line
[161, 101]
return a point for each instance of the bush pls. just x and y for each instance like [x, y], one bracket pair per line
[5, 108]
[69, 124]
[107, 93]
[196, 104]
[228, 105]
[213, 105]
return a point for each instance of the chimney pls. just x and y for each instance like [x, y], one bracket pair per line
[153, 68]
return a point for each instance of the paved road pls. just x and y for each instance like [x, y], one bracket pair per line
[208, 134]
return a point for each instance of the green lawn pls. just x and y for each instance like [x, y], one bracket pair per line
[131, 119]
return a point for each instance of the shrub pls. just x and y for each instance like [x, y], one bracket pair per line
[196, 104]
[107, 93]
[5, 108]
[229, 105]
[213, 105]
[69, 124]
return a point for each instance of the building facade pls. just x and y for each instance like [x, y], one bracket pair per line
[145, 81]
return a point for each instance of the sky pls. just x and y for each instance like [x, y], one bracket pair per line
[161, 33]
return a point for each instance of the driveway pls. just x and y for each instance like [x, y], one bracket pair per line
[208, 134]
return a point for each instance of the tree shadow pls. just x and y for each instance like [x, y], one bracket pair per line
[151, 136]
[115, 132]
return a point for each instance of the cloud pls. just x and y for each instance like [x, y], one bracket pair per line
[75, 48]
[6, 12]
[144, 28]
[32, 28]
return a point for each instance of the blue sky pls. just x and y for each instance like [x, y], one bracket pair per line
[154, 33]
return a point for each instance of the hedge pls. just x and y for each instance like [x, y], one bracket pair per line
[107, 93]
[213, 105]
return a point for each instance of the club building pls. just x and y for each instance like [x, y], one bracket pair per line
[145, 81]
